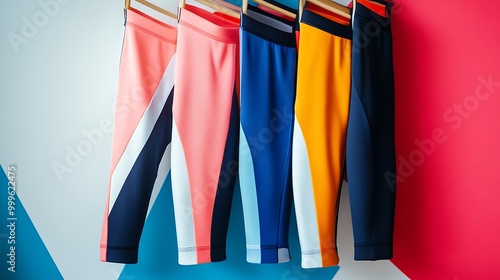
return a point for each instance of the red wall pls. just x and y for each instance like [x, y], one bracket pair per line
[448, 196]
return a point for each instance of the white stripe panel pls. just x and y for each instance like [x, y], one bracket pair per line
[183, 205]
[305, 206]
[249, 200]
[283, 255]
[141, 133]
[164, 166]
[163, 170]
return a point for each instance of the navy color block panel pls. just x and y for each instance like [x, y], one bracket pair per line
[227, 180]
[126, 220]
[370, 148]
[158, 251]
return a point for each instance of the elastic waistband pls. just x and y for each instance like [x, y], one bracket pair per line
[209, 24]
[266, 31]
[327, 25]
[150, 25]
[370, 11]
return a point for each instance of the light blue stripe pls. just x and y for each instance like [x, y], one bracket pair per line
[249, 198]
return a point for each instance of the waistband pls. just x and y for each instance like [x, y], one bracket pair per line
[209, 24]
[266, 31]
[371, 11]
[150, 25]
[327, 25]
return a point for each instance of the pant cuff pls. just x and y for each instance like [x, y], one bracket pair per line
[372, 252]
[267, 255]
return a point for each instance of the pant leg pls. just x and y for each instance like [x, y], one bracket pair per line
[370, 138]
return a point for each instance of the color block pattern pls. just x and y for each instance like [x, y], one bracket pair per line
[142, 133]
[321, 115]
[24, 255]
[268, 65]
[371, 137]
[205, 134]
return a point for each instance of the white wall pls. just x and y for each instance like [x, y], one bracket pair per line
[59, 82]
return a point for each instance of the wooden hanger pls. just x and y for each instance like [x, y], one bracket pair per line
[244, 6]
[301, 8]
[381, 3]
[227, 4]
[274, 8]
[333, 7]
[152, 6]
[214, 5]
[219, 8]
